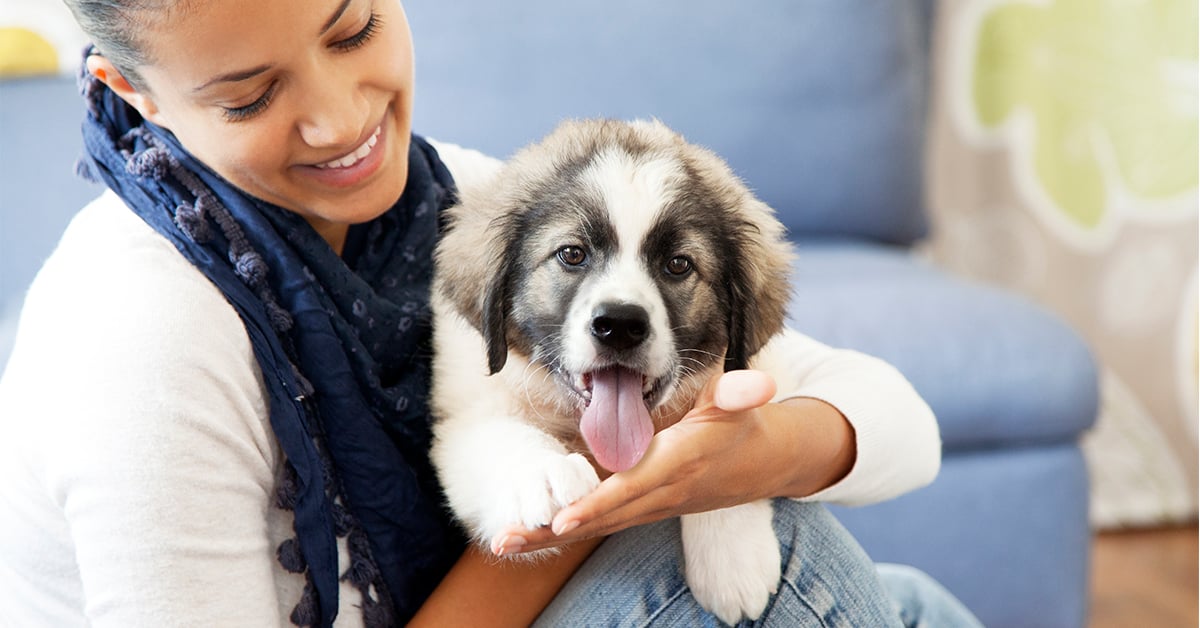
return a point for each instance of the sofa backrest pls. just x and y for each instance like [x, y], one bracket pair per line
[39, 192]
[817, 104]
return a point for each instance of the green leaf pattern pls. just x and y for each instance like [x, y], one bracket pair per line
[1111, 87]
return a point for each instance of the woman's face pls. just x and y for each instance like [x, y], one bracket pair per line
[303, 104]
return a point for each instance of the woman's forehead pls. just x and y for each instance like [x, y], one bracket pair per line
[198, 40]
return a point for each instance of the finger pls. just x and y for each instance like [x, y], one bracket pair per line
[580, 519]
[656, 504]
[516, 539]
[613, 493]
[743, 390]
[627, 516]
[577, 521]
[513, 537]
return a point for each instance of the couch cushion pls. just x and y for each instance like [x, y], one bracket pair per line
[817, 104]
[1004, 530]
[995, 368]
[39, 192]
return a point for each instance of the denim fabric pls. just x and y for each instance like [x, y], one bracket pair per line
[635, 579]
[921, 601]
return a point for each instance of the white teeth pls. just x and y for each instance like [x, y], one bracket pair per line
[354, 157]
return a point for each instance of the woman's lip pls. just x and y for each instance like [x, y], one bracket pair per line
[358, 170]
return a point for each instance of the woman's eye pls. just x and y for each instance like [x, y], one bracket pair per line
[572, 255]
[679, 266]
[237, 114]
[361, 37]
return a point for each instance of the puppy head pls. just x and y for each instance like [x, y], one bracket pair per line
[594, 186]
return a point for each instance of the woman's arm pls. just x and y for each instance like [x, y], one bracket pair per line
[485, 591]
[143, 412]
[896, 439]
[850, 429]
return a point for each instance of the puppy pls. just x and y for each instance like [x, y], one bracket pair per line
[581, 300]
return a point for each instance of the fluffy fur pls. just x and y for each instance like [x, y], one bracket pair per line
[606, 245]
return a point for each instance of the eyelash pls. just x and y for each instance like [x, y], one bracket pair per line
[237, 114]
[357, 40]
[361, 37]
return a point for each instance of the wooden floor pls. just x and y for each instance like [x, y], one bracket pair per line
[1145, 578]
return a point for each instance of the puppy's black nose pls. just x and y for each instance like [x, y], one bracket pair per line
[620, 325]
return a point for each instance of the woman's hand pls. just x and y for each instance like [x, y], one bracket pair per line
[732, 448]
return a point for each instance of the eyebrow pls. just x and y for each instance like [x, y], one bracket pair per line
[242, 75]
[233, 77]
[337, 15]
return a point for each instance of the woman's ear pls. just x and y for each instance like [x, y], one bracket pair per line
[100, 67]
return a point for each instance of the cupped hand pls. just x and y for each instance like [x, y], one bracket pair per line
[710, 459]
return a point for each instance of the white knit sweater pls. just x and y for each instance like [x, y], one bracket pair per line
[137, 462]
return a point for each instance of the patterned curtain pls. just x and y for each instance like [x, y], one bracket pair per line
[1063, 165]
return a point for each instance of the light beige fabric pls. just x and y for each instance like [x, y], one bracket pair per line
[1063, 164]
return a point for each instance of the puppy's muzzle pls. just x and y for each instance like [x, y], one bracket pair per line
[620, 326]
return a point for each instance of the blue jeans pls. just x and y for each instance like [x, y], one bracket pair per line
[635, 579]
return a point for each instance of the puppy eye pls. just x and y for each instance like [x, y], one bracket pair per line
[679, 266]
[572, 255]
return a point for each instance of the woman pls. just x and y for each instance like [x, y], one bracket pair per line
[214, 412]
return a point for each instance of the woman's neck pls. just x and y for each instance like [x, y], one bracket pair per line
[332, 232]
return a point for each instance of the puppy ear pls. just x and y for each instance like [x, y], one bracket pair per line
[737, 355]
[758, 286]
[756, 257]
[474, 272]
[494, 316]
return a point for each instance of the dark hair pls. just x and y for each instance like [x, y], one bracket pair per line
[111, 25]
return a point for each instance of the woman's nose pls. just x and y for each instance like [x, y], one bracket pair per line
[333, 115]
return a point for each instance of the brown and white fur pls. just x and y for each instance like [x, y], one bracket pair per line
[608, 245]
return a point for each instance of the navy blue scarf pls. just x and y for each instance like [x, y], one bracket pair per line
[344, 345]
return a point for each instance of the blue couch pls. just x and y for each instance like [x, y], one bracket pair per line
[820, 106]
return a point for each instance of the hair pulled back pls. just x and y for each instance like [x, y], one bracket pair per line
[112, 24]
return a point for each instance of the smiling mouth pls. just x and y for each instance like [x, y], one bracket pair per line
[356, 155]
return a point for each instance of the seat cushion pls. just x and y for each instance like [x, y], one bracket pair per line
[996, 369]
[1004, 530]
[819, 105]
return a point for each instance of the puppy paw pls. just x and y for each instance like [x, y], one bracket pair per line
[549, 485]
[565, 480]
[732, 561]
[500, 474]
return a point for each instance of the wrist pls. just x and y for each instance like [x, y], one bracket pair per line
[483, 590]
[814, 444]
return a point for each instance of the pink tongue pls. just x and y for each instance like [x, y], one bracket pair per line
[616, 424]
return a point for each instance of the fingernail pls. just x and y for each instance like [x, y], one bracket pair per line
[561, 528]
[510, 545]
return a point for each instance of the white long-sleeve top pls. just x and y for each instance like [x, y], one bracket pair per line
[138, 465]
